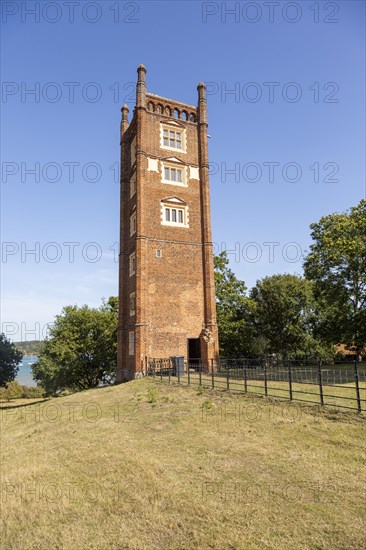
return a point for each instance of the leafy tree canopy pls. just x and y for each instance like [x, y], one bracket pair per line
[235, 313]
[336, 264]
[13, 390]
[81, 350]
[9, 359]
[286, 315]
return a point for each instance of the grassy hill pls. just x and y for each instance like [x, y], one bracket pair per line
[148, 466]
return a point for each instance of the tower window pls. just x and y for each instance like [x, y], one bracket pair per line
[132, 186]
[172, 138]
[132, 303]
[131, 343]
[132, 224]
[132, 264]
[158, 253]
[174, 174]
[175, 215]
[133, 151]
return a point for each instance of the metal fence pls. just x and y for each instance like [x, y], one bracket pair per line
[340, 385]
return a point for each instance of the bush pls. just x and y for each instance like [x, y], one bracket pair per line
[32, 392]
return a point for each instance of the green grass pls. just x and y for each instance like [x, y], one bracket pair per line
[342, 395]
[145, 465]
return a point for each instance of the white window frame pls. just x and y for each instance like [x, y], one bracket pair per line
[170, 128]
[132, 264]
[133, 221]
[133, 185]
[174, 214]
[171, 166]
[131, 343]
[132, 304]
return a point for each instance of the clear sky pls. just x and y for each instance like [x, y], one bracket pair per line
[286, 86]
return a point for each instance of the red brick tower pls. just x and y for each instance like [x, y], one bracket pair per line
[166, 285]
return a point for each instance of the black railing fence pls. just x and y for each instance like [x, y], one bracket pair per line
[341, 384]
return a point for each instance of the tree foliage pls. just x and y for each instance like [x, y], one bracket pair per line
[235, 313]
[13, 390]
[32, 392]
[286, 315]
[336, 264]
[9, 360]
[81, 351]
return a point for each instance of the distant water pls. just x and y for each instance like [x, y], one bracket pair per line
[25, 374]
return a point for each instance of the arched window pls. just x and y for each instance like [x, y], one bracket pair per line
[159, 108]
[168, 111]
[151, 106]
[176, 113]
[184, 115]
[192, 118]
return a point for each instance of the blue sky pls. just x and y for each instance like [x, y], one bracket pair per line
[296, 107]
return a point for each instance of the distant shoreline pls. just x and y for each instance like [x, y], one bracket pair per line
[29, 347]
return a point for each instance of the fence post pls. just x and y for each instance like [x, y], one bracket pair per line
[245, 379]
[320, 383]
[227, 379]
[188, 374]
[169, 371]
[289, 380]
[200, 372]
[265, 380]
[357, 388]
[213, 378]
[178, 372]
[154, 368]
[161, 370]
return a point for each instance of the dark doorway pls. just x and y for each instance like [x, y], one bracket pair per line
[194, 351]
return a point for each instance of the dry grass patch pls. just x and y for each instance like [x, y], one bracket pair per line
[148, 466]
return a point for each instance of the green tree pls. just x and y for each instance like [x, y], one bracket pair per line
[13, 390]
[286, 315]
[32, 392]
[235, 313]
[81, 351]
[336, 264]
[9, 360]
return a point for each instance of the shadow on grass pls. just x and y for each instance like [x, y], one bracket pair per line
[18, 406]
